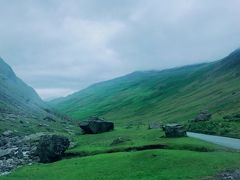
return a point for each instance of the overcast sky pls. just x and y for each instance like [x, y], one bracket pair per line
[61, 46]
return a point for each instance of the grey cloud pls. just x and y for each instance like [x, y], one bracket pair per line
[63, 46]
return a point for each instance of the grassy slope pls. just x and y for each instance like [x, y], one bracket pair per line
[178, 162]
[21, 109]
[174, 95]
[151, 164]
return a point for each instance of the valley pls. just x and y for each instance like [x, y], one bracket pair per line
[203, 98]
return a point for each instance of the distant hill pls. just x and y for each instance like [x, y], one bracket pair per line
[172, 95]
[21, 109]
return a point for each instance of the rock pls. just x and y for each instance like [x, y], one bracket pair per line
[3, 142]
[203, 116]
[96, 125]
[51, 148]
[7, 133]
[49, 119]
[174, 130]
[16, 151]
[227, 175]
[7, 153]
[119, 140]
[154, 125]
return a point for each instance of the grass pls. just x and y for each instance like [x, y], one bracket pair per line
[185, 158]
[152, 164]
[91, 144]
[175, 95]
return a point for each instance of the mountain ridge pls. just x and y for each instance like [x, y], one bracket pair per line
[21, 108]
[173, 95]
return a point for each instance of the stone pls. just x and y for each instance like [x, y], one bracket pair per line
[154, 125]
[49, 119]
[174, 130]
[96, 125]
[7, 133]
[119, 140]
[203, 116]
[51, 148]
[7, 153]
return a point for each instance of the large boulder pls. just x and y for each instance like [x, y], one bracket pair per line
[51, 148]
[96, 125]
[174, 130]
[203, 116]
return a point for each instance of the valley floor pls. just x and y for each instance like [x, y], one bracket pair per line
[183, 158]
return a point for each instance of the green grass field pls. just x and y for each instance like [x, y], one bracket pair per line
[185, 158]
[151, 164]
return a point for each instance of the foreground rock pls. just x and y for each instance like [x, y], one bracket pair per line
[51, 148]
[174, 130]
[96, 125]
[16, 151]
[227, 175]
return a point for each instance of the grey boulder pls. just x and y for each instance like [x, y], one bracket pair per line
[51, 148]
[203, 116]
[96, 125]
[174, 130]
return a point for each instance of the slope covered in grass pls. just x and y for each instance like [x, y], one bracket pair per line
[21, 109]
[152, 164]
[184, 158]
[173, 95]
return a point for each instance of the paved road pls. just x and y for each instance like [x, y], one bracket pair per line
[223, 141]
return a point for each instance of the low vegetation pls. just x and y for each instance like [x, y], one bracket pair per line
[185, 158]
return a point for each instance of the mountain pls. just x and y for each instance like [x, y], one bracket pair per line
[172, 95]
[21, 109]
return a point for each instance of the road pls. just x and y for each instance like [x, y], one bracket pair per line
[223, 141]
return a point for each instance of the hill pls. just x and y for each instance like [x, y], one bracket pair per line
[172, 95]
[21, 109]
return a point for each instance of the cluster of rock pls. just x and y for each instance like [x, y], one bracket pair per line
[227, 175]
[174, 130]
[16, 150]
[96, 125]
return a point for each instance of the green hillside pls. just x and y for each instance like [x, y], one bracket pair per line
[172, 95]
[21, 109]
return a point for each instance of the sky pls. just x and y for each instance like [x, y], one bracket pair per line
[61, 46]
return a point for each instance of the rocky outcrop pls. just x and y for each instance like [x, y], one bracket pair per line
[174, 130]
[15, 151]
[96, 125]
[227, 175]
[51, 148]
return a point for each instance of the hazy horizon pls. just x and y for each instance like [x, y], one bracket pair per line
[60, 47]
